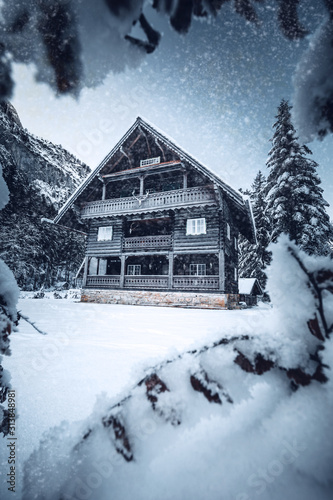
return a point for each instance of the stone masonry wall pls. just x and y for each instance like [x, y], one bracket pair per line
[163, 299]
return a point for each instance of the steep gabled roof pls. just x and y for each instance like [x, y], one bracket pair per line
[241, 203]
[246, 286]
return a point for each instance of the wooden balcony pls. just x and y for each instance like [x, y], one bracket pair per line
[167, 199]
[103, 281]
[196, 282]
[148, 242]
[146, 281]
[155, 282]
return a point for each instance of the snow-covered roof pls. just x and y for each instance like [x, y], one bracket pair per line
[233, 194]
[245, 285]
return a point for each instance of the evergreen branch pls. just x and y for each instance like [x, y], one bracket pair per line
[317, 292]
[31, 323]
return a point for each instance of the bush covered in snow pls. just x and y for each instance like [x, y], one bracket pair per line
[247, 416]
[9, 293]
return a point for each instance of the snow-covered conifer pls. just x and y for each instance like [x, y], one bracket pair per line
[295, 203]
[255, 257]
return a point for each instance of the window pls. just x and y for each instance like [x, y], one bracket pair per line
[133, 270]
[97, 267]
[228, 232]
[197, 269]
[102, 267]
[150, 161]
[235, 274]
[93, 264]
[196, 226]
[235, 242]
[104, 233]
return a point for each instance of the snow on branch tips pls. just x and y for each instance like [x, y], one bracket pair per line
[77, 44]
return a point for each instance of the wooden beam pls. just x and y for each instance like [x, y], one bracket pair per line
[85, 272]
[122, 155]
[158, 166]
[170, 269]
[122, 270]
[184, 179]
[221, 271]
[142, 178]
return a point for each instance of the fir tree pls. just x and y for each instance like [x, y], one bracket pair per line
[255, 257]
[295, 203]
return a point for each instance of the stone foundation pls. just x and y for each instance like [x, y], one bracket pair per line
[163, 299]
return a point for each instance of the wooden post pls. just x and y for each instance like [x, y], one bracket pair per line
[141, 185]
[221, 271]
[122, 270]
[85, 272]
[103, 191]
[170, 269]
[184, 179]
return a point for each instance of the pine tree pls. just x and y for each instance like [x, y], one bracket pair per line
[295, 203]
[255, 257]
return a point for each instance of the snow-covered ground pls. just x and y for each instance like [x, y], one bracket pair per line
[94, 348]
[246, 413]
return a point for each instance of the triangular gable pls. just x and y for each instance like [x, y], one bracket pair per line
[141, 130]
[249, 286]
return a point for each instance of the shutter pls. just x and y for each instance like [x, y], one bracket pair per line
[204, 226]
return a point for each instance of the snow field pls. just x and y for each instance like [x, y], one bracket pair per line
[90, 349]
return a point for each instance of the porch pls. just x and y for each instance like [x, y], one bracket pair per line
[155, 282]
[202, 272]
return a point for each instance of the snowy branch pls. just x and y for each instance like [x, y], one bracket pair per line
[31, 323]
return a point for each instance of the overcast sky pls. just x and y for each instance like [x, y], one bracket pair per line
[215, 91]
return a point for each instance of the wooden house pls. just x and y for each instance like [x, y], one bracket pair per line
[158, 220]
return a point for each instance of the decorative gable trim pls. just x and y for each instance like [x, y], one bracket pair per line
[144, 126]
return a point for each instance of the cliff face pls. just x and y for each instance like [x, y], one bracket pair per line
[40, 177]
[55, 172]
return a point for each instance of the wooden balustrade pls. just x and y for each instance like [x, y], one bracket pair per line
[146, 281]
[156, 281]
[103, 281]
[144, 242]
[178, 197]
[196, 282]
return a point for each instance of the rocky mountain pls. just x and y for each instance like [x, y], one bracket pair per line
[40, 177]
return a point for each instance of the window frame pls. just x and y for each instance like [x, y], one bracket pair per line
[103, 229]
[196, 266]
[193, 226]
[134, 267]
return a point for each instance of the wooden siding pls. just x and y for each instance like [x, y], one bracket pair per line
[104, 248]
[231, 254]
[208, 242]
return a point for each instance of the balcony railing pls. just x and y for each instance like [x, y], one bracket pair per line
[176, 198]
[103, 281]
[196, 282]
[146, 281]
[156, 281]
[147, 242]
